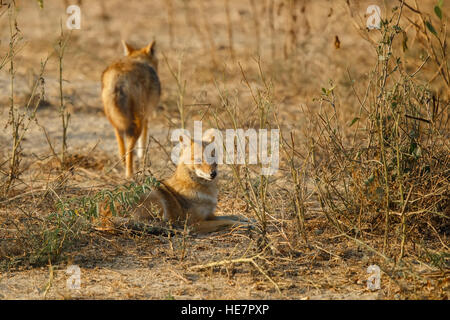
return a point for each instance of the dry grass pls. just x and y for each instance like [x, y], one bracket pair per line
[364, 169]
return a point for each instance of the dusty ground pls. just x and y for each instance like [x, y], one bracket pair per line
[155, 267]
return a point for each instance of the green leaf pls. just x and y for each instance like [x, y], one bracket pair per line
[431, 28]
[324, 91]
[440, 3]
[41, 3]
[438, 12]
[353, 121]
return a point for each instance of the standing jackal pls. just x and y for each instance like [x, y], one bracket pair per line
[130, 91]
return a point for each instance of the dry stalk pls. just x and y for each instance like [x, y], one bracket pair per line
[229, 29]
[65, 115]
[256, 19]
[19, 121]
[170, 19]
[250, 260]
[209, 36]
[181, 88]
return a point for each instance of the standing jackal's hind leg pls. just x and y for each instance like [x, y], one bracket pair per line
[131, 142]
[142, 142]
[121, 144]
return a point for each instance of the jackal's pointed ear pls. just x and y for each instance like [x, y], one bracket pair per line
[151, 48]
[127, 48]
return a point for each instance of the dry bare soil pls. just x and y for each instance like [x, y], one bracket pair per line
[299, 57]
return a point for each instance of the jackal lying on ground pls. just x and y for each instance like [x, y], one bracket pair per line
[190, 195]
[130, 93]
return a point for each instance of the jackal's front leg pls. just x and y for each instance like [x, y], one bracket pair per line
[220, 223]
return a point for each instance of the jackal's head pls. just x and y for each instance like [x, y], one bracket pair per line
[199, 164]
[147, 54]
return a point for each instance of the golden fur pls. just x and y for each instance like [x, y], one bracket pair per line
[130, 92]
[189, 195]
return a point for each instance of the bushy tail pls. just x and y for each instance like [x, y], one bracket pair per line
[117, 104]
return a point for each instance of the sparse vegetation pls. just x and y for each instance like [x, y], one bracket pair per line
[364, 150]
